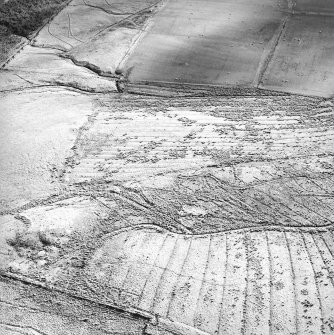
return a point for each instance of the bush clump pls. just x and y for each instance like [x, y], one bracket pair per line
[22, 17]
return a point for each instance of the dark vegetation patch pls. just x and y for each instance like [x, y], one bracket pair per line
[8, 41]
[22, 17]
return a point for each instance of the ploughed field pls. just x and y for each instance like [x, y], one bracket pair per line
[200, 215]
[207, 209]
[273, 45]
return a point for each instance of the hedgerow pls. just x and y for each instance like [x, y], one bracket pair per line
[22, 17]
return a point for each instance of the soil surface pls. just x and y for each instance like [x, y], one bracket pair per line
[165, 208]
[273, 45]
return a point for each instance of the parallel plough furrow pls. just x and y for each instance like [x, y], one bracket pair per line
[273, 281]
